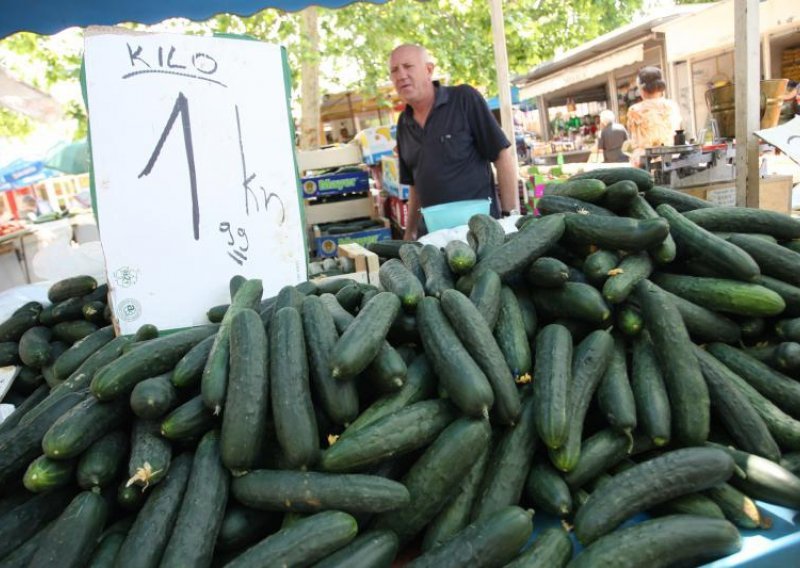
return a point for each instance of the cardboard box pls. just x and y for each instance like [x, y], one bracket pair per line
[328, 245]
[335, 184]
[377, 142]
[391, 177]
[398, 211]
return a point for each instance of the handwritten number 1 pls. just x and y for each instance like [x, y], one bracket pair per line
[181, 107]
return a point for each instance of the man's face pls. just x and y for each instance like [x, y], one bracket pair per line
[411, 75]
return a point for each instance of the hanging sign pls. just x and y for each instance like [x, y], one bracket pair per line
[194, 172]
[785, 137]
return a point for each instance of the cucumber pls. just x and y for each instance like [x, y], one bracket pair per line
[610, 176]
[460, 257]
[619, 195]
[438, 277]
[150, 455]
[9, 353]
[490, 541]
[371, 549]
[530, 320]
[396, 278]
[216, 314]
[243, 526]
[215, 373]
[667, 541]
[614, 394]
[574, 300]
[434, 477]
[364, 337]
[485, 294]
[788, 329]
[26, 519]
[773, 259]
[681, 201]
[148, 536]
[106, 551]
[704, 324]
[791, 462]
[489, 354]
[737, 507]
[72, 359]
[647, 484]
[547, 272]
[589, 363]
[790, 294]
[598, 453]
[615, 233]
[72, 538]
[301, 544]
[83, 375]
[34, 347]
[409, 254]
[192, 419]
[44, 474]
[488, 233]
[665, 252]
[509, 464]
[693, 504]
[650, 392]
[509, 331]
[244, 421]
[406, 429]
[625, 276]
[99, 464]
[152, 358]
[130, 497]
[86, 422]
[598, 265]
[553, 374]
[783, 357]
[718, 294]
[31, 402]
[547, 490]
[717, 254]
[290, 394]
[765, 480]
[200, 516]
[189, 369]
[459, 375]
[688, 393]
[21, 556]
[154, 397]
[310, 492]
[71, 288]
[554, 204]
[348, 297]
[551, 549]
[588, 190]
[747, 220]
[13, 328]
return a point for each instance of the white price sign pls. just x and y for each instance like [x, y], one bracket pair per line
[785, 137]
[194, 172]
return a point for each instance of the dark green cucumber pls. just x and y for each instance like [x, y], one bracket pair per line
[490, 355]
[665, 252]
[31, 402]
[688, 393]
[34, 347]
[680, 200]
[553, 372]
[348, 297]
[152, 358]
[32, 307]
[622, 279]
[409, 254]
[73, 331]
[547, 272]
[83, 375]
[457, 513]
[308, 540]
[310, 492]
[370, 549]
[488, 233]
[554, 204]
[76, 430]
[615, 233]
[21, 556]
[406, 429]
[790, 294]
[741, 419]
[44, 474]
[791, 462]
[747, 220]
[589, 363]
[777, 387]
[666, 541]
[189, 369]
[105, 553]
[547, 490]
[784, 357]
[214, 381]
[788, 329]
[717, 254]
[99, 464]
[598, 265]
[647, 484]
[509, 464]
[288, 296]
[737, 507]
[130, 497]
[26, 519]
[150, 454]
[551, 549]
[485, 294]
[752, 328]
[765, 480]
[13, 328]
[773, 259]
[150, 532]
[462, 378]
[9, 353]
[692, 504]
[200, 516]
[588, 190]
[396, 278]
[704, 324]
[154, 397]
[614, 394]
[94, 312]
[438, 277]
[434, 477]
[489, 541]
[243, 526]
[71, 288]
[598, 453]
[73, 536]
[573, 300]
[650, 392]
[215, 314]
[509, 331]
[364, 337]
[793, 244]
[244, 421]
[189, 420]
[527, 308]
[610, 176]
[27, 381]
[70, 310]
[290, 393]
[146, 332]
[460, 257]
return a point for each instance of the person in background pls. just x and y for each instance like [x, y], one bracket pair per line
[447, 140]
[653, 121]
[559, 125]
[612, 136]
[790, 107]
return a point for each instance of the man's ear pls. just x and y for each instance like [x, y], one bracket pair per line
[429, 66]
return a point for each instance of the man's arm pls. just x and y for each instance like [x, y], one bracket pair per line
[413, 215]
[506, 179]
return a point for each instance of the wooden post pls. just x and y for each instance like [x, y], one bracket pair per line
[503, 84]
[747, 62]
[613, 103]
[544, 118]
[766, 52]
[311, 131]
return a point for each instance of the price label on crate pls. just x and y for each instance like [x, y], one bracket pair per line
[785, 137]
[194, 172]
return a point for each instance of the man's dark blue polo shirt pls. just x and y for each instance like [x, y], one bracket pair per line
[448, 160]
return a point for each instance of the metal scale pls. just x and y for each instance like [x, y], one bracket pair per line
[690, 165]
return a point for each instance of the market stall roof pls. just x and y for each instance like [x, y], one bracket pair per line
[22, 173]
[340, 106]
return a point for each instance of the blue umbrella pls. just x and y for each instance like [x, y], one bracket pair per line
[70, 158]
[22, 173]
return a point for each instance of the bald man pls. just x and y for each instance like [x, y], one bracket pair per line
[446, 140]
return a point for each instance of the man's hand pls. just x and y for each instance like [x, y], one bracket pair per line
[412, 220]
[507, 180]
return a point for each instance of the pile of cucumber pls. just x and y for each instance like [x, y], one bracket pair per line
[630, 350]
